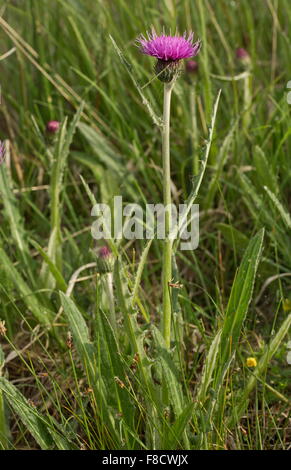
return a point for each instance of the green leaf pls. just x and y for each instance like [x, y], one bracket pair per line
[209, 368]
[139, 272]
[11, 210]
[31, 418]
[41, 313]
[90, 361]
[264, 172]
[61, 283]
[80, 334]
[59, 161]
[156, 119]
[240, 297]
[233, 237]
[104, 152]
[174, 434]
[115, 367]
[171, 375]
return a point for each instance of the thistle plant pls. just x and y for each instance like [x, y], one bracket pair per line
[169, 51]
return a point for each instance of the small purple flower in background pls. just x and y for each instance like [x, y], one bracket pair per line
[192, 66]
[243, 56]
[2, 152]
[104, 252]
[169, 51]
[241, 53]
[52, 127]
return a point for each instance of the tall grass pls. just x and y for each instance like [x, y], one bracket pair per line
[68, 378]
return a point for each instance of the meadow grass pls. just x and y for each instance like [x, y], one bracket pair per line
[69, 377]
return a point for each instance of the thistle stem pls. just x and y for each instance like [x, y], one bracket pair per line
[247, 100]
[167, 248]
[110, 297]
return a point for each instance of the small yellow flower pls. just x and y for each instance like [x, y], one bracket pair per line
[251, 362]
[287, 305]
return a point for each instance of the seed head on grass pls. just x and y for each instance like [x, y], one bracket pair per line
[169, 51]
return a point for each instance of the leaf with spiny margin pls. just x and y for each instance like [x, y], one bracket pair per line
[171, 376]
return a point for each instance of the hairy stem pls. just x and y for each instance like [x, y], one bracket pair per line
[167, 248]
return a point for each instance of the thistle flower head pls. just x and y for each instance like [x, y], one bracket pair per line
[168, 50]
[52, 127]
[2, 152]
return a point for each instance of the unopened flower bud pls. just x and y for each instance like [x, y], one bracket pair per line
[167, 70]
[105, 260]
[104, 252]
[192, 67]
[52, 127]
[243, 56]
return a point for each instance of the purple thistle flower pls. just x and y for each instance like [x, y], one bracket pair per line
[2, 152]
[52, 127]
[168, 50]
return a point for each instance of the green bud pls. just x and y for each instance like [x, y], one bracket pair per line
[167, 70]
